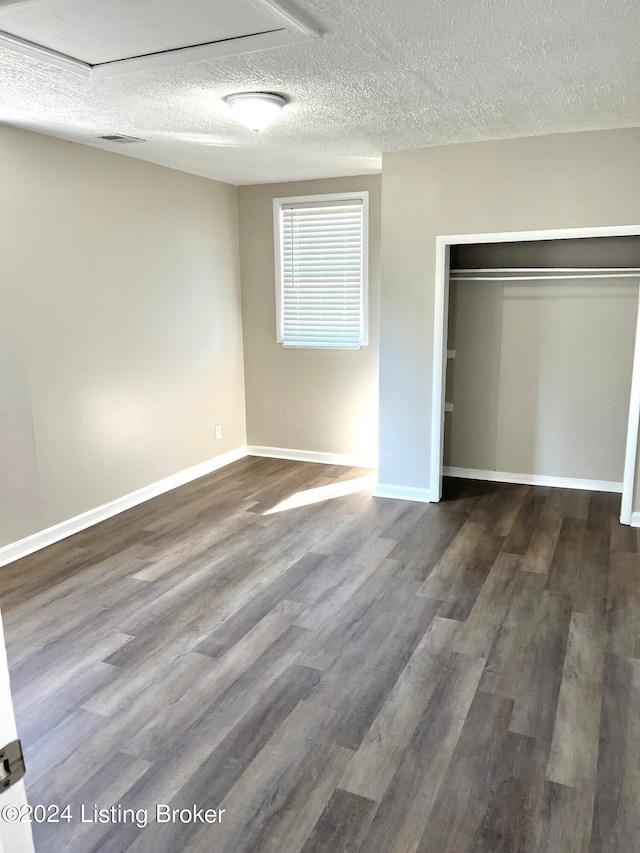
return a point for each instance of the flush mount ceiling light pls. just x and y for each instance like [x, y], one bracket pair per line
[256, 110]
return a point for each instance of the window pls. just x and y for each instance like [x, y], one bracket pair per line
[321, 270]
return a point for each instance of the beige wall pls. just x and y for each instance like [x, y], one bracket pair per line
[564, 181]
[314, 400]
[120, 328]
[542, 376]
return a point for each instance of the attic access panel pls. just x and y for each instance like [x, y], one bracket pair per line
[105, 37]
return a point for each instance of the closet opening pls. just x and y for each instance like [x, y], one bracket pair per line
[537, 362]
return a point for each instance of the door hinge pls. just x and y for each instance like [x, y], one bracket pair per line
[12, 767]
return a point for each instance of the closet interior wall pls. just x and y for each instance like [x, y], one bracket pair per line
[541, 378]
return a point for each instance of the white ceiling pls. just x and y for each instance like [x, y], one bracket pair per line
[385, 76]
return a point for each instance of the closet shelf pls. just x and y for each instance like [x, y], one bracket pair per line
[542, 273]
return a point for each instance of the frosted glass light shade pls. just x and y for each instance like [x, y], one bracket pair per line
[256, 110]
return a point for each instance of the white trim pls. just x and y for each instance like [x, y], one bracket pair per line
[546, 234]
[439, 366]
[631, 452]
[297, 20]
[402, 493]
[533, 479]
[320, 197]
[51, 57]
[15, 837]
[311, 456]
[278, 252]
[24, 547]
[278, 204]
[635, 519]
[443, 243]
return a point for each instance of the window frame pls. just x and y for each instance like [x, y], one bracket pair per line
[278, 204]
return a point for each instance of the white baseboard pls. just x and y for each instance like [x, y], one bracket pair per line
[635, 519]
[311, 456]
[35, 542]
[534, 480]
[402, 493]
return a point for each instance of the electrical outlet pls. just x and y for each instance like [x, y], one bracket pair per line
[218, 433]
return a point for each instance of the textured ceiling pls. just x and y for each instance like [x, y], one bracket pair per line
[386, 76]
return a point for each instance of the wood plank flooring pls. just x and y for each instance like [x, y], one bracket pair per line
[336, 672]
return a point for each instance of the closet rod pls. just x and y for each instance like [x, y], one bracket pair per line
[543, 273]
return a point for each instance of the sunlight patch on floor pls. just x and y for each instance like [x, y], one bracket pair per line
[324, 493]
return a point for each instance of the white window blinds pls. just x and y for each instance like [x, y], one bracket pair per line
[322, 280]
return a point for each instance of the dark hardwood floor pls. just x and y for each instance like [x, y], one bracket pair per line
[352, 674]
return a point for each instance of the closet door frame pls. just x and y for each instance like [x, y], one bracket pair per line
[443, 246]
